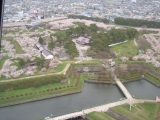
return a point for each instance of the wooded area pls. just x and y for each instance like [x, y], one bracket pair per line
[136, 22]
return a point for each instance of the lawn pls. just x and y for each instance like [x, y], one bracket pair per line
[88, 62]
[15, 43]
[145, 111]
[17, 47]
[152, 79]
[39, 92]
[99, 116]
[127, 49]
[2, 62]
[60, 67]
[41, 30]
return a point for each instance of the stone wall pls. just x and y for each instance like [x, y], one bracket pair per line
[117, 115]
[96, 81]
[88, 68]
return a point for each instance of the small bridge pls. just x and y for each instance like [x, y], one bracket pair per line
[123, 88]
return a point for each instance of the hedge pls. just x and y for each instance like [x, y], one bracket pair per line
[32, 82]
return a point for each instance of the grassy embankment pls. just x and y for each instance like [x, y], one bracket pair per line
[42, 91]
[145, 111]
[150, 76]
[129, 75]
[99, 116]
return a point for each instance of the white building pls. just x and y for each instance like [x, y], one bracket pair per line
[47, 54]
[44, 52]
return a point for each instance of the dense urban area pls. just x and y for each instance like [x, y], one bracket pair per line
[52, 49]
[26, 10]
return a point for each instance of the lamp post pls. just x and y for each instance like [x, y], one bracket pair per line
[130, 106]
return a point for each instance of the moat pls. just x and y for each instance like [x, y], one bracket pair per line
[92, 95]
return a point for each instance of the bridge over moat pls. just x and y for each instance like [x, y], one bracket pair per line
[104, 108]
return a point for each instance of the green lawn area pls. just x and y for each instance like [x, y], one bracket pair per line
[89, 62]
[60, 67]
[152, 79]
[44, 90]
[99, 116]
[127, 49]
[145, 111]
[15, 43]
[17, 47]
[2, 62]
[41, 30]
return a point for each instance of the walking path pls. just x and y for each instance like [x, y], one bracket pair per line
[135, 42]
[102, 108]
[62, 72]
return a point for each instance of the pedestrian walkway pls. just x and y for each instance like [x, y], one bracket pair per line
[102, 108]
[123, 88]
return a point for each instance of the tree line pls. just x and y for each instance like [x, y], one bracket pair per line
[104, 20]
[136, 22]
[31, 83]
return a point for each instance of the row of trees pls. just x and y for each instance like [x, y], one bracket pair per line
[136, 22]
[104, 20]
[71, 48]
[32, 82]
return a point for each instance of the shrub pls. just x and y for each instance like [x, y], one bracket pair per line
[7, 97]
[2, 98]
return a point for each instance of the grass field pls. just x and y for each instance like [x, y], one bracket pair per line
[2, 62]
[127, 49]
[99, 116]
[15, 43]
[39, 92]
[152, 79]
[89, 62]
[17, 47]
[145, 111]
